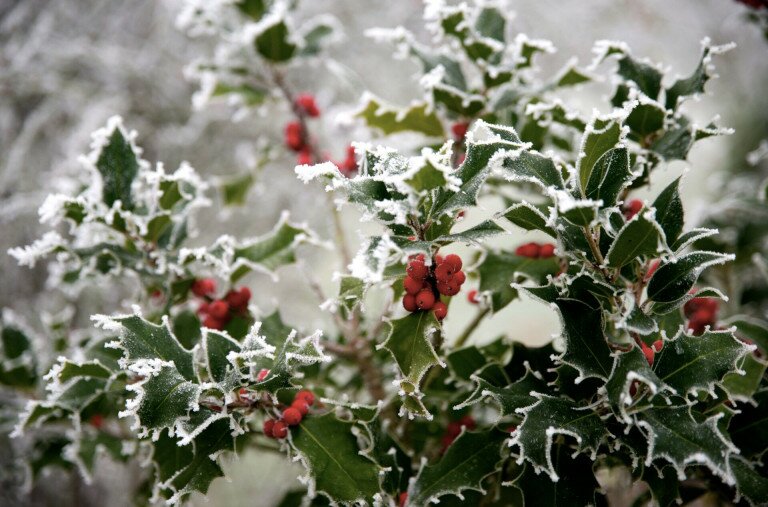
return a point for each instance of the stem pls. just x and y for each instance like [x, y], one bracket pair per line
[471, 327]
[597, 254]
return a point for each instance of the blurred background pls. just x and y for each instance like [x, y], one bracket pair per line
[68, 65]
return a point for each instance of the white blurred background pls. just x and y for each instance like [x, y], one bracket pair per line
[67, 65]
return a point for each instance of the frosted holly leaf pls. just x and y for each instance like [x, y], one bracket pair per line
[272, 37]
[508, 398]
[182, 470]
[118, 163]
[353, 411]
[669, 211]
[572, 75]
[586, 348]
[351, 292]
[674, 279]
[216, 349]
[498, 270]
[17, 360]
[409, 342]
[631, 368]
[747, 428]
[693, 85]
[602, 134]
[529, 217]
[86, 448]
[610, 175]
[676, 437]
[576, 484]
[663, 483]
[752, 329]
[698, 363]
[751, 484]
[742, 384]
[644, 74]
[336, 465]
[140, 339]
[472, 457]
[579, 212]
[554, 112]
[528, 166]
[647, 116]
[469, 27]
[637, 321]
[65, 370]
[318, 33]
[389, 120]
[234, 259]
[453, 99]
[639, 237]
[473, 235]
[551, 416]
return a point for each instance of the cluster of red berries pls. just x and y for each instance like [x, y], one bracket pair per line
[217, 313]
[424, 284]
[701, 312]
[291, 416]
[454, 430]
[536, 251]
[631, 208]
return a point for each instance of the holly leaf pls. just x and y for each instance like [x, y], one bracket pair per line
[389, 120]
[17, 361]
[499, 270]
[472, 457]
[749, 427]
[118, 164]
[351, 291]
[409, 343]
[528, 217]
[740, 386]
[274, 41]
[473, 235]
[751, 483]
[611, 173]
[216, 347]
[586, 348]
[693, 363]
[694, 84]
[646, 118]
[530, 167]
[601, 136]
[673, 280]
[638, 237]
[551, 416]
[669, 211]
[628, 368]
[336, 465]
[508, 398]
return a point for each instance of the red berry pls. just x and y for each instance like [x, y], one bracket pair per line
[460, 215]
[649, 353]
[203, 308]
[262, 374]
[219, 309]
[306, 102]
[438, 260]
[403, 499]
[444, 272]
[242, 392]
[204, 287]
[530, 250]
[440, 310]
[417, 270]
[454, 260]
[96, 420]
[409, 303]
[425, 299]
[238, 300]
[658, 345]
[448, 288]
[632, 208]
[307, 396]
[459, 130]
[279, 430]
[301, 406]
[652, 269]
[268, 427]
[294, 136]
[453, 429]
[472, 297]
[459, 277]
[291, 416]
[212, 322]
[547, 250]
[304, 157]
[412, 286]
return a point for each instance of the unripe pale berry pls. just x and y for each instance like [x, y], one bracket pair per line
[219, 309]
[307, 396]
[301, 406]
[547, 250]
[268, 427]
[454, 260]
[204, 287]
[409, 303]
[425, 299]
[440, 310]
[291, 416]
[412, 286]
[279, 430]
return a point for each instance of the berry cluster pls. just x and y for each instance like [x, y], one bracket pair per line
[217, 313]
[454, 430]
[424, 284]
[701, 312]
[631, 208]
[291, 416]
[536, 251]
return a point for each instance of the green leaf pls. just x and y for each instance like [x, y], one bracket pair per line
[629, 367]
[693, 84]
[572, 76]
[663, 484]
[17, 360]
[163, 397]
[414, 118]
[749, 427]
[694, 363]
[186, 328]
[337, 467]
[491, 23]
[673, 280]
[317, 34]
[471, 458]
[750, 328]
[669, 211]
[646, 77]
[118, 165]
[410, 346]
[216, 346]
[646, 118]
[639, 237]
[274, 44]
[528, 217]
[508, 398]
[601, 136]
[140, 339]
[586, 348]
[581, 213]
[675, 143]
[676, 437]
[556, 416]
[751, 483]
[67, 370]
[250, 95]
[351, 290]
[531, 167]
[499, 270]
[742, 387]
[234, 191]
[610, 175]
[473, 235]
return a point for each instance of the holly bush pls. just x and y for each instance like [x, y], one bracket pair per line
[650, 376]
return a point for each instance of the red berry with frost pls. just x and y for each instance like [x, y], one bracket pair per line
[262, 374]
[294, 136]
[412, 286]
[425, 299]
[268, 427]
[301, 406]
[409, 303]
[306, 102]
[279, 430]
[307, 396]
[438, 260]
[454, 260]
[472, 297]
[204, 287]
[212, 322]
[459, 278]
[459, 130]
[219, 309]
[632, 208]
[291, 416]
[417, 269]
[658, 345]
[648, 353]
[547, 250]
[440, 310]
[444, 272]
